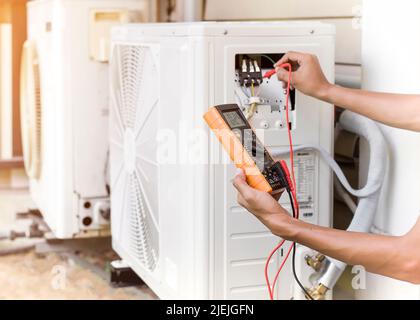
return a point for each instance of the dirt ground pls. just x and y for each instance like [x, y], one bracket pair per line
[29, 275]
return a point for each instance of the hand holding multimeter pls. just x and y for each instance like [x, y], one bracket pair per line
[262, 172]
[246, 151]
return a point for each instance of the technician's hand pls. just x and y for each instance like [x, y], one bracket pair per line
[307, 75]
[261, 204]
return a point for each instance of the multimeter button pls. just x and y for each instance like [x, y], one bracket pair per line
[264, 124]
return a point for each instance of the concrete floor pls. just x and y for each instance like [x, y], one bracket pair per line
[29, 275]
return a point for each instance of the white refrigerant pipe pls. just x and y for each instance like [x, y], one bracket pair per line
[368, 195]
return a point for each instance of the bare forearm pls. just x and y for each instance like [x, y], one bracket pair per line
[386, 255]
[396, 110]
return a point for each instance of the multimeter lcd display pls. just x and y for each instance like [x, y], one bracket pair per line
[234, 120]
[245, 137]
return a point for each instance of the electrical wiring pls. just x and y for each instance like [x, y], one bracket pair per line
[245, 92]
[289, 133]
[258, 91]
[268, 58]
[294, 257]
[291, 182]
[293, 186]
[267, 264]
[368, 196]
[253, 107]
[307, 294]
[292, 247]
[280, 269]
[292, 196]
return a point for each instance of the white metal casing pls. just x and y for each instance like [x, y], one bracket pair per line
[74, 99]
[208, 246]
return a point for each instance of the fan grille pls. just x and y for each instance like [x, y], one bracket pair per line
[30, 101]
[140, 233]
[132, 58]
[130, 71]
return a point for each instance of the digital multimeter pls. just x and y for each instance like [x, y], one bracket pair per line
[238, 138]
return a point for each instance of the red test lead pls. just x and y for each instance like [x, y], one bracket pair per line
[269, 74]
[291, 182]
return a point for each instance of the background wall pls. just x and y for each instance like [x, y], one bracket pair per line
[12, 36]
[344, 14]
[6, 99]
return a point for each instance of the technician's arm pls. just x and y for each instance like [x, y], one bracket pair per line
[396, 257]
[396, 110]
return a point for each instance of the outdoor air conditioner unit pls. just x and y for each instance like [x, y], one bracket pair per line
[64, 109]
[175, 219]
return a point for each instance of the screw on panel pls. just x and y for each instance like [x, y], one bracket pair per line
[87, 221]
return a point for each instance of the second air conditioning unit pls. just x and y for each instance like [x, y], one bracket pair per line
[64, 109]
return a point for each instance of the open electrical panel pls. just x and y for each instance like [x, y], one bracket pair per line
[262, 100]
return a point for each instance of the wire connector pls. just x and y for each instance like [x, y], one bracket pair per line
[276, 177]
[250, 74]
[256, 100]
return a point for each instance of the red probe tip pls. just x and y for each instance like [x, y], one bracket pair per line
[269, 74]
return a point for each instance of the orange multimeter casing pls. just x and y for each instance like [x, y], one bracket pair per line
[238, 138]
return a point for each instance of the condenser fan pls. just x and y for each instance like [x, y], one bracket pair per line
[134, 170]
[30, 110]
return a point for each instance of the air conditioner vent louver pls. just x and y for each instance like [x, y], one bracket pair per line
[140, 232]
[30, 110]
[131, 75]
[134, 180]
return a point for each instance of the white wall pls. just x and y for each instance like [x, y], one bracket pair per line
[342, 13]
[391, 59]
[6, 107]
[275, 9]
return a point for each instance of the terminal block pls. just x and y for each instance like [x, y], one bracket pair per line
[249, 72]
